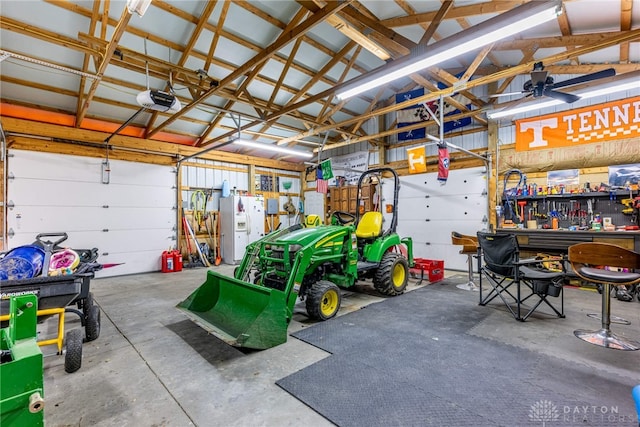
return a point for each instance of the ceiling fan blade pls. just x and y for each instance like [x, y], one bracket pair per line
[565, 97]
[609, 72]
[512, 104]
[497, 95]
[538, 77]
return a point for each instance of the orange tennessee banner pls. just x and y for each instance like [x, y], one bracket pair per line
[597, 123]
[417, 158]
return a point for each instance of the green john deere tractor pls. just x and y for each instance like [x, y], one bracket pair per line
[253, 309]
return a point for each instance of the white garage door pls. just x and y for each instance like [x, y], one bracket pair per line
[130, 220]
[428, 212]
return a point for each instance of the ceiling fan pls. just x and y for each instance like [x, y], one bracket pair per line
[541, 84]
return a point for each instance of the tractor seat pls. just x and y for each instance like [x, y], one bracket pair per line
[370, 225]
[312, 221]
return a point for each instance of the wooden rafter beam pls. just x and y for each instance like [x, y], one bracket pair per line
[455, 12]
[324, 70]
[216, 35]
[285, 70]
[28, 127]
[437, 20]
[556, 41]
[519, 69]
[111, 47]
[625, 25]
[268, 52]
[560, 69]
[243, 42]
[24, 28]
[394, 39]
[95, 15]
[324, 113]
[431, 33]
[159, 68]
[299, 16]
[196, 54]
[195, 34]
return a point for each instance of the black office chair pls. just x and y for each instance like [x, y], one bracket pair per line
[510, 277]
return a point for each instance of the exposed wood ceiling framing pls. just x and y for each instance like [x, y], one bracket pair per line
[270, 69]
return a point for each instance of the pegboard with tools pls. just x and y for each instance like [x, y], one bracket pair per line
[602, 210]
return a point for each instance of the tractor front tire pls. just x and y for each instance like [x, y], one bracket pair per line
[391, 277]
[323, 300]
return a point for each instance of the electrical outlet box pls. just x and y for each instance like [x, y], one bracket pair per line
[272, 206]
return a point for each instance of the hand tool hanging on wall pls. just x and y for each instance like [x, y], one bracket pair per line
[188, 229]
[204, 260]
[212, 248]
[199, 206]
[522, 204]
[190, 257]
[218, 241]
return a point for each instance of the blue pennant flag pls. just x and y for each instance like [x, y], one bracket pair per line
[410, 115]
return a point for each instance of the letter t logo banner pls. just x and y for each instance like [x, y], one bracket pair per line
[417, 159]
[601, 122]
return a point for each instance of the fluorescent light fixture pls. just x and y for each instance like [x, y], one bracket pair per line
[138, 6]
[272, 147]
[4, 54]
[499, 27]
[626, 82]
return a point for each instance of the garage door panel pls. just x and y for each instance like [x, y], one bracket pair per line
[462, 207]
[127, 173]
[437, 231]
[133, 215]
[459, 205]
[40, 192]
[129, 263]
[38, 219]
[451, 254]
[35, 165]
[459, 182]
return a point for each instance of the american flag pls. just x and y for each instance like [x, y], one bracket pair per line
[322, 186]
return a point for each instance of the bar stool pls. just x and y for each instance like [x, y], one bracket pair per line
[584, 257]
[469, 248]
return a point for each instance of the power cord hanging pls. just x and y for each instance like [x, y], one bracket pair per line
[509, 193]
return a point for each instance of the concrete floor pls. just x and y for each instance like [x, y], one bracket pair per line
[152, 366]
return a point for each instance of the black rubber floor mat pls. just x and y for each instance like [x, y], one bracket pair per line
[407, 361]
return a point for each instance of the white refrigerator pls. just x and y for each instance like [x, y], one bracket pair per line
[241, 222]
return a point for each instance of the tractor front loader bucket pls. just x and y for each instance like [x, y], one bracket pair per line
[239, 313]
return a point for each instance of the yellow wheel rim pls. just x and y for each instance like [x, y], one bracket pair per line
[329, 303]
[398, 275]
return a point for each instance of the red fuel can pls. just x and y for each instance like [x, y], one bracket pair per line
[177, 260]
[167, 262]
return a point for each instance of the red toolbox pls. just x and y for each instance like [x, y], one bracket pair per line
[433, 267]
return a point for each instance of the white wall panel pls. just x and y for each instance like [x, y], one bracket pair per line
[428, 212]
[131, 220]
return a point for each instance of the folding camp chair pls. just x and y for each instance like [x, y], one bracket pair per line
[513, 280]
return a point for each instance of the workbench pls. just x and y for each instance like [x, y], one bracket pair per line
[533, 241]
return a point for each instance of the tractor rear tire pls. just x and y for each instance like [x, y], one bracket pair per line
[323, 300]
[391, 277]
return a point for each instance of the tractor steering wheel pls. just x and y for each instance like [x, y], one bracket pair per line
[343, 218]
